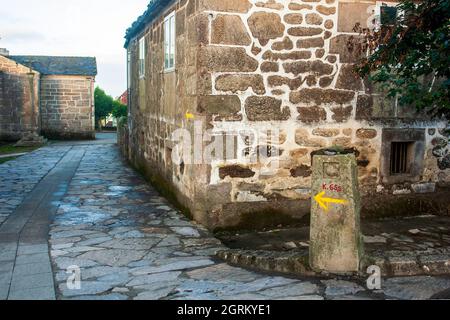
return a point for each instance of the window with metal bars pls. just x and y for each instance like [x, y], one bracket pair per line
[401, 158]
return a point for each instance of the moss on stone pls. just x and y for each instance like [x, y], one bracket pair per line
[166, 189]
[264, 219]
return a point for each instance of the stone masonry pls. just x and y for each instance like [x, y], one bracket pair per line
[53, 96]
[19, 100]
[68, 107]
[284, 66]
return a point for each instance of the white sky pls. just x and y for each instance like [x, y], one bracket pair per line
[73, 28]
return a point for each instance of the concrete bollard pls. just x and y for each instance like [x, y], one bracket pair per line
[336, 242]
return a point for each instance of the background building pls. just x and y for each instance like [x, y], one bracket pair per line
[52, 96]
[286, 66]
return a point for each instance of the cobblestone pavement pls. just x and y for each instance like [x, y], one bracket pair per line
[129, 243]
[410, 245]
[18, 177]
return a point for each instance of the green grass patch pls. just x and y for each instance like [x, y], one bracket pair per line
[3, 160]
[11, 149]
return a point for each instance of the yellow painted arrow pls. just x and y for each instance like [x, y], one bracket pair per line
[189, 116]
[324, 202]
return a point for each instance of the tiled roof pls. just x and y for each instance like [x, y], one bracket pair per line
[154, 8]
[75, 66]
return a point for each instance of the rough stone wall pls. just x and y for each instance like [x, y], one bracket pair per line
[19, 100]
[280, 65]
[67, 107]
[286, 66]
[160, 100]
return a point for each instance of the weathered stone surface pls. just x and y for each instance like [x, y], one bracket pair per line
[220, 105]
[301, 171]
[229, 29]
[326, 10]
[297, 6]
[268, 66]
[270, 4]
[266, 109]
[311, 80]
[347, 54]
[366, 133]
[154, 278]
[113, 257]
[293, 55]
[348, 79]
[317, 67]
[278, 81]
[226, 59]
[241, 6]
[444, 163]
[336, 241]
[311, 114]
[332, 59]
[304, 31]
[364, 107]
[325, 81]
[236, 83]
[343, 142]
[354, 13]
[286, 44]
[291, 290]
[313, 19]
[347, 132]
[293, 18]
[342, 114]
[424, 187]
[439, 142]
[341, 288]
[255, 49]
[302, 139]
[265, 26]
[322, 132]
[414, 288]
[235, 171]
[329, 24]
[311, 43]
[320, 53]
[88, 288]
[319, 96]
[278, 92]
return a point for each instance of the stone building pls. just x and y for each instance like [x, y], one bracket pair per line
[52, 96]
[282, 70]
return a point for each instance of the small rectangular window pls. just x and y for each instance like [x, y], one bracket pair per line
[169, 42]
[401, 157]
[388, 15]
[142, 57]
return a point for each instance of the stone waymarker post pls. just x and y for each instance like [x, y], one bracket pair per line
[336, 241]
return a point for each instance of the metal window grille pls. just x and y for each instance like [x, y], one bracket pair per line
[400, 158]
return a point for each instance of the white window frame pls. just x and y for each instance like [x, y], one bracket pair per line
[141, 60]
[169, 42]
[129, 69]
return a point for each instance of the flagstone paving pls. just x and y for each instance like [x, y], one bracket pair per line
[129, 243]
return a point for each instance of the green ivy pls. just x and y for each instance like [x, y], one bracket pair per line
[412, 57]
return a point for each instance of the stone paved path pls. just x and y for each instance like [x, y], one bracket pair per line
[81, 207]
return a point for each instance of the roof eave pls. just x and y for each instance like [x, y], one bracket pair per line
[154, 9]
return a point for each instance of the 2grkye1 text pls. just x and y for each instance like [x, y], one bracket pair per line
[226, 310]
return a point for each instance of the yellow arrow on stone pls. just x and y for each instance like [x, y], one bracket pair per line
[324, 202]
[189, 116]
